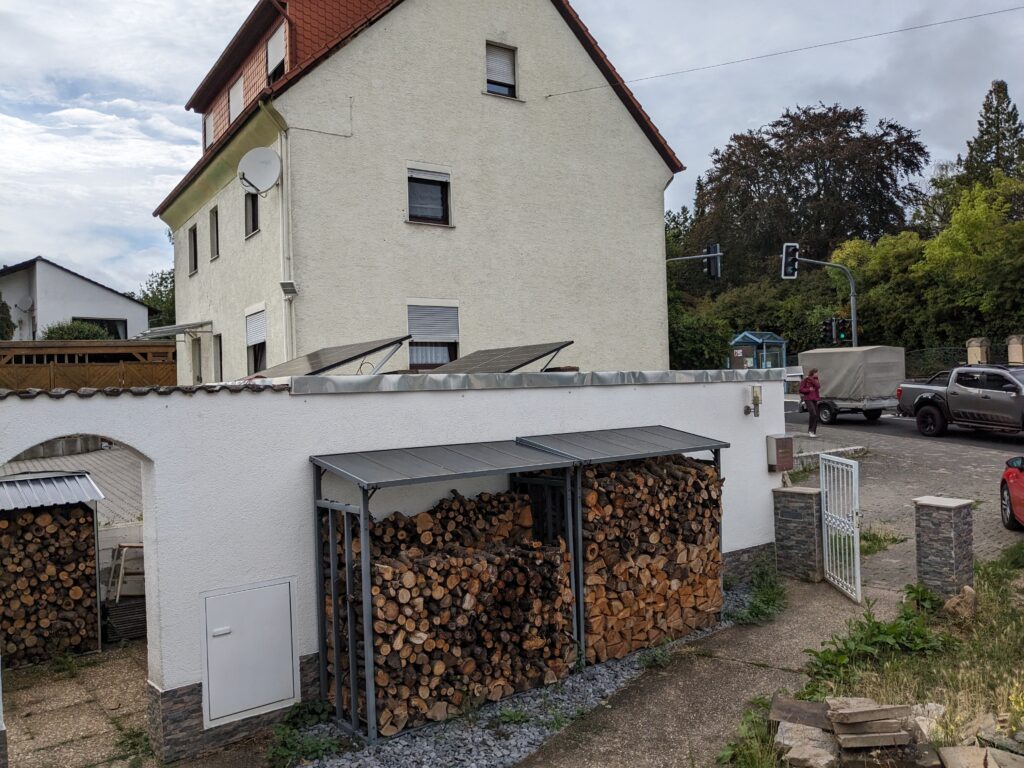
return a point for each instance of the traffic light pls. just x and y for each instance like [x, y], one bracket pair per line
[828, 330]
[842, 330]
[790, 261]
[713, 262]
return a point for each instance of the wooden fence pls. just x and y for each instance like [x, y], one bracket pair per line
[80, 364]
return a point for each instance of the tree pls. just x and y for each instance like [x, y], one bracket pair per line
[999, 143]
[158, 293]
[75, 330]
[697, 342]
[6, 323]
[817, 175]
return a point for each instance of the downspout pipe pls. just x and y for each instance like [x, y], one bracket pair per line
[287, 271]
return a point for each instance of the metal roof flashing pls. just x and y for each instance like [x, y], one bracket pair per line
[436, 382]
[29, 490]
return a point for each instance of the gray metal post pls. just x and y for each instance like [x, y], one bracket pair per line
[371, 687]
[570, 540]
[580, 581]
[350, 626]
[332, 541]
[321, 617]
[853, 293]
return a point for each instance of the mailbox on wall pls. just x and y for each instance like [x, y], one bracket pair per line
[780, 453]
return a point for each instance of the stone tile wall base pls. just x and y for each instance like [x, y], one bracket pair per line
[945, 547]
[798, 542]
[3, 749]
[175, 718]
[738, 565]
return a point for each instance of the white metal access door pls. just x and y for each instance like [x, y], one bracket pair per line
[840, 520]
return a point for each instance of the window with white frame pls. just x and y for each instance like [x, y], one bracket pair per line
[214, 233]
[256, 341]
[207, 130]
[252, 213]
[429, 197]
[275, 56]
[435, 336]
[236, 98]
[501, 70]
[193, 249]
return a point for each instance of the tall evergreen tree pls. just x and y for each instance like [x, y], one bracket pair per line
[6, 323]
[999, 143]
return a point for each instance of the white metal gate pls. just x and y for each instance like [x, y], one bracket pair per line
[840, 520]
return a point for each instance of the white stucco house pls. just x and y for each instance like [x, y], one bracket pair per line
[431, 184]
[41, 292]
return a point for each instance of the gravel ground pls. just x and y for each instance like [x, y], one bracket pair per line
[483, 740]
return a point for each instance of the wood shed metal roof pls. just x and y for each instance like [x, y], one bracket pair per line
[46, 489]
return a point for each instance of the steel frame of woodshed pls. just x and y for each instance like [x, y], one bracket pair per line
[373, 470]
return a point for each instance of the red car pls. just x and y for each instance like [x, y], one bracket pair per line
[1011, 495]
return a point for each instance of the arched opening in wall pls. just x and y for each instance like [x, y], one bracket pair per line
[72, 582]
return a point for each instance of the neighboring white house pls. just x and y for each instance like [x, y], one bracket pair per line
[432, 185]
[41, 293]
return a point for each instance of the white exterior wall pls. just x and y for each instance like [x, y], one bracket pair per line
[246, 274]
[61, 296]
[557, 204]
[227, 495]
[18, 293]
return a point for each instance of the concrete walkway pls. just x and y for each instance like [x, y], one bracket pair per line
[683, 715]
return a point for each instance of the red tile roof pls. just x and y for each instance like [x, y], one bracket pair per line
[319, 28]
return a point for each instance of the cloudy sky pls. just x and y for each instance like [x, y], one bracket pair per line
[93, 134]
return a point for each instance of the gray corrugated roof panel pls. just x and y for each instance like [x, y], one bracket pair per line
[606, 445]
[410, 466]
[503, 359]
[165, 331]
[46, 489]
[329, 358]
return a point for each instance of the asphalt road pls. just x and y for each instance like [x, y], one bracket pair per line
[896, 426]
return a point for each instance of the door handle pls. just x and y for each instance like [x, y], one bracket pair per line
[954, 394]
[221, 632]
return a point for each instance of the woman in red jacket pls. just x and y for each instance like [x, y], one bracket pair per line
[810, 388]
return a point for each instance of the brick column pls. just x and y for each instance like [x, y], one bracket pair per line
[3, 748]
[798, 546]
[945, 543]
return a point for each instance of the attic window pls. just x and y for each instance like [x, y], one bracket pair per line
[236, 99]
[207, 130]
[275, 56]
[501, 70]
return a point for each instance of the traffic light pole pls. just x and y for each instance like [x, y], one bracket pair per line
[853, 292]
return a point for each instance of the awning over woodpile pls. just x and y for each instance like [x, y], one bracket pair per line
[169, 331]
[46, 489]
[409, 466]
[608, 445]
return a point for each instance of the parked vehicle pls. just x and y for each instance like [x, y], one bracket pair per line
[1011, 494]
[985, 397]
[856, 380]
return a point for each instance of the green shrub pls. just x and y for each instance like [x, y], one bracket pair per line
[754, 745]
[768, 596]
[75, 330]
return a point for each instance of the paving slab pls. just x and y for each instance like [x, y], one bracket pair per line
[43, 697]
[80, 753]
[59, 726]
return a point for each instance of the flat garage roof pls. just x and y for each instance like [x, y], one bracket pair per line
[409, 466]
[604, 445]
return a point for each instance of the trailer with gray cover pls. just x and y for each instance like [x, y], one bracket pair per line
[856, 380]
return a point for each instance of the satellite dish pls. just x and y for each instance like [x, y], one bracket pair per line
[259, 170]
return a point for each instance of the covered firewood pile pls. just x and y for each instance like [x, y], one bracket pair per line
[652, 554]
[467, 607]
[47, 584]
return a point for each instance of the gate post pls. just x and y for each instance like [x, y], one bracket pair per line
[945, 543]
[978, 350]
[798, 546]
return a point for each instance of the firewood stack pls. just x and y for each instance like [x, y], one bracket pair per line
[466, 608]
[47, 584]
[652, 555]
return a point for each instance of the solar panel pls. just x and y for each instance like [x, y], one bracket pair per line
[605, 445]
[329, 358]
[503, 359]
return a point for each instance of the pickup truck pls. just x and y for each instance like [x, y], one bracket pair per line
[986, 397]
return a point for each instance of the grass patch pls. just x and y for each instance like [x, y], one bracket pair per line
[754, 745]
[292, 746]
[768, 598]
[875, 540]
[797, 476]
[132, 745]
[510, 716]
[657, 657]
[923, 655]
